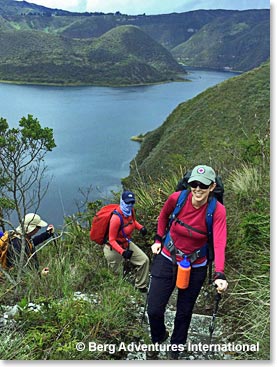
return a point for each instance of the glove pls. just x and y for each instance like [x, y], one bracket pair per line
[45, 271]
[156, 247]
[143, 231]
[220, 282]
[127, 254]
[50, 229]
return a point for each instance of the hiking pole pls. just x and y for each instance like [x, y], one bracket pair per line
[146, 301]
[126, 268]
[217, 299]
[145, 304]
[41, 247]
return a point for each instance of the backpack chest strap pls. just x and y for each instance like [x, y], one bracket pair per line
[190, 228]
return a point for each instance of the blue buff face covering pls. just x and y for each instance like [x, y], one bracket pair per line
[126, 208]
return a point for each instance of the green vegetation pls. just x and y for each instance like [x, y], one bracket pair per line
[105, 311]
[43, 45]
[124, 55]
[238, 146]
[221, 126]
[226, 126]
[237, 43]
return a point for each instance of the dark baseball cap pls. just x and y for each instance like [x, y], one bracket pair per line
[128, 197]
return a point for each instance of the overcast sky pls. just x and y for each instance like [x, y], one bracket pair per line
[133, 7]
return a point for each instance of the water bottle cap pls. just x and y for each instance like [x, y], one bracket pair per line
[185, 263]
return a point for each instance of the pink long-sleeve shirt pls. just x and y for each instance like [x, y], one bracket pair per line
[187, 240]
[116, 238]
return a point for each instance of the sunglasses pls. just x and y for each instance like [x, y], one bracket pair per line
[195, 184]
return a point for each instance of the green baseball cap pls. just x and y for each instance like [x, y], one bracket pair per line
[202, 173]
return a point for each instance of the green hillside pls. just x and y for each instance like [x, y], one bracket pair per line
[239, 43]
[216, 39]
[226, 127]
[39, 57]
[131, 40]
[219, 127]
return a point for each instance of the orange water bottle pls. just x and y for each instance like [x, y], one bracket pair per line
[183, 274]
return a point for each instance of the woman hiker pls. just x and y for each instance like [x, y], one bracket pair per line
[120, 246]
[188, 234]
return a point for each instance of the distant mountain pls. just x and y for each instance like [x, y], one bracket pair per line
[219, 126]
[124, 55]
[240, 42]
[168, 29]
[21, 8]
[217, 39]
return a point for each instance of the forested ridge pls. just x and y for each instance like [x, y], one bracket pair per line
[227, 126]
[52, 46]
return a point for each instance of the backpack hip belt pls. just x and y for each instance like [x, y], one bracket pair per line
[201, 252]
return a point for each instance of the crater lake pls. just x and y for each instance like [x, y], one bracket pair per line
[92, 128]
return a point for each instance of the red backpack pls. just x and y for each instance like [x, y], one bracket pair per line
[100, 224]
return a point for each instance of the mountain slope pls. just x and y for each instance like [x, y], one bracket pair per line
[240, 42]
[217, 127]
[130, 40]
[218, 39]
[125, 55]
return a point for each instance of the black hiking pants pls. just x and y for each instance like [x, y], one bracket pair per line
[161, 288]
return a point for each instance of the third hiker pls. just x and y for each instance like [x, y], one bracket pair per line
[28, 230]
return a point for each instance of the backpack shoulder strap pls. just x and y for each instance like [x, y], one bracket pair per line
[209, 221]
[209, 215]
[179, 205]
[121, 225]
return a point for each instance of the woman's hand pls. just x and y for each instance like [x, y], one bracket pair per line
[45, 271]
[156, 248]
[221, 285]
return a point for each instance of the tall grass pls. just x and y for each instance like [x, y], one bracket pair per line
[110, 314]
[245, 181]
[247, 302]
[248, 259]
[80, 300]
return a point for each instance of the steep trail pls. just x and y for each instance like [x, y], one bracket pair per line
[200, 345]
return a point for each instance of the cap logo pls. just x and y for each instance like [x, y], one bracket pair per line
[130, 195]
[201, 170]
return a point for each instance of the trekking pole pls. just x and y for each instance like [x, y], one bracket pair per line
[145, 304]
[217, 299]
[126, 268]
[35, 252]
[146, 301]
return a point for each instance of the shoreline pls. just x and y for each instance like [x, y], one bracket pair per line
[104, 85]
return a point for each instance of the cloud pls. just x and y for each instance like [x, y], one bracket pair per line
[189, 5]
[134, 6]
[70, 5]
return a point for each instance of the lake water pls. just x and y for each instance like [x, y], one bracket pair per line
[92, 129]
